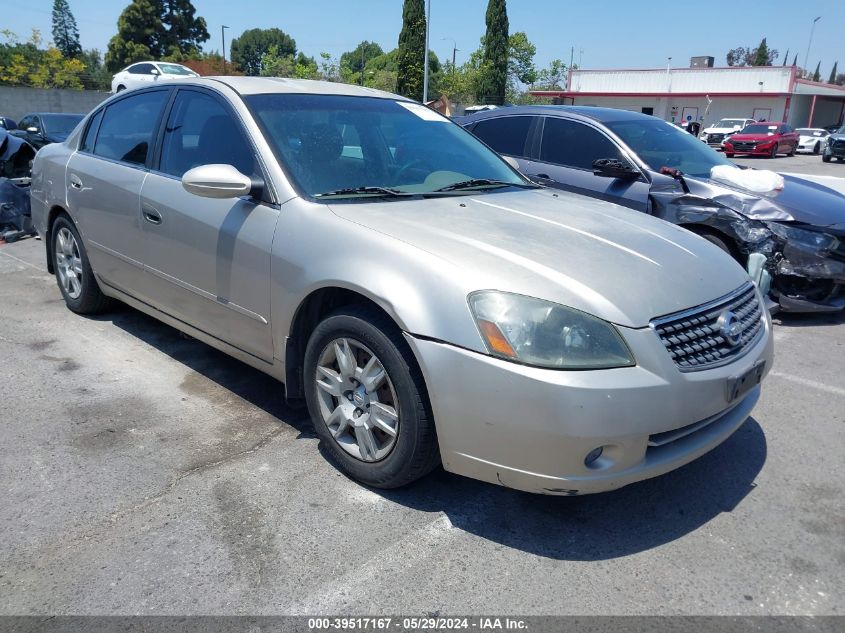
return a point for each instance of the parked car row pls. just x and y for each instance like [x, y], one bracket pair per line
[428, 301]
[764, 138]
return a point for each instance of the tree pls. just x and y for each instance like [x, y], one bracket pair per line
[248, 50]
[763, 56]
[795, 60]
[410, 55]
[785, 57]
[553, 77]
[65, 31]
[25, 64]
[355, 61]
[95, 76]
[494, 76]
[737, 56]
[153, 29]
[817, 76]
[832, 79]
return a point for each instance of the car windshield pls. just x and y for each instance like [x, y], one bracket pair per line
[342, 146]
[803, 131]
[175, 69]
[660, 144]
[730, 123]
[759, 128]
[60, 125]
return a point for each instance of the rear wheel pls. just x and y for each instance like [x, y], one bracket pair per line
[367, 399]
[73, 270]
[792, 151]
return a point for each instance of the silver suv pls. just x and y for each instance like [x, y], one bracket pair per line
[428, 302]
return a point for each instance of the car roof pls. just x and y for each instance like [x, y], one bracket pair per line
[79, 114]
[278, 85]
[601, 115]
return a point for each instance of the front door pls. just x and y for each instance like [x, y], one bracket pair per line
[208, 260]
[567, 151]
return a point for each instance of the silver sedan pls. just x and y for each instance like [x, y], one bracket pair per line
[429, 303]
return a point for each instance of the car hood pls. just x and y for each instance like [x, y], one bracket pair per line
[754, 137]
[610, 261]
[719, 130]
[800, 200]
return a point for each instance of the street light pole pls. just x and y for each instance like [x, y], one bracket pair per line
[810, 43]
[223, 37]
[425, 62]
[455, 49]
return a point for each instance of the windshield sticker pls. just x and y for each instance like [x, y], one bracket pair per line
[427, 114]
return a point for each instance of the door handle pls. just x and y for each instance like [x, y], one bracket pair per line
[150, 214]
[75, 182]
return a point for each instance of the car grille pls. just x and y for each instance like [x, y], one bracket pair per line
[838, 145]
[694, 338]
[744, 146]
[715, 138]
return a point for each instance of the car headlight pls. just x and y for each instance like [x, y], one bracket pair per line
[813, 239]
[544, 334]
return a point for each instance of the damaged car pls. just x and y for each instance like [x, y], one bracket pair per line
[791, 237]
[835, 146]
[16, 157]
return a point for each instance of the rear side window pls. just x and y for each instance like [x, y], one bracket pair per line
[201, 131]
[574, 144]
[141, 69]
[128, 127]
[87, 144]
[506, 135]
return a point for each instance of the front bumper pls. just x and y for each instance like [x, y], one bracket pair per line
[531, 429]
[808, 280]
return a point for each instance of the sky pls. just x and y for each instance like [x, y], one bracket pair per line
[607, 34]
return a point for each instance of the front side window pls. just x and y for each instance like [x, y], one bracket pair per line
[574, 144]
[331, 144]
[200, 131]
[128, 127]
[507, 134]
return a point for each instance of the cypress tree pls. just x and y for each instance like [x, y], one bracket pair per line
[795, 60]
[65, 31]
[817, 76]
[832, 79]
[761, 56]
[785, 57]
[410, 56]
[494, 79]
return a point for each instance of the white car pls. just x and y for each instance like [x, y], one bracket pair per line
[811, 139]
[718, 132]
[142, 74]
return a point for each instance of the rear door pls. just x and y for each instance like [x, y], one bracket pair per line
[208, 260]
[509, 136]
[103, 180]
[566, 154]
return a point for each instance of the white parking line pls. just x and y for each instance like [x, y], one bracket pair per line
[18, 259]
[838, 391]
[360, 581]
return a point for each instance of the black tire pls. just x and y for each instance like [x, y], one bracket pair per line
[774, 152]
[90, 300]
[792, 151]
[721, 242]
[817, 147]
[415, 452]
[826, 158]
[120, 89]
[729, 154]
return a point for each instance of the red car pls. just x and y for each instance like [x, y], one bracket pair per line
[763, 139]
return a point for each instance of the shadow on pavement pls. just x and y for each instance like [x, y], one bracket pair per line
[593, 527]
[787, 319]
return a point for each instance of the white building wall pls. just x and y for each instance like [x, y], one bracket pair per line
[676, 109]
[690, 80]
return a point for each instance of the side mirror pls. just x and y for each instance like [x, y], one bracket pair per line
[217, 181]
[32, 130]
[614, 168]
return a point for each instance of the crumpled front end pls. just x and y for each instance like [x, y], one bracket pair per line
[804, 263]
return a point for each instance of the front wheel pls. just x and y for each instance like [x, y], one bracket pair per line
[817, 148]
[73, 270]
[774, 152]
[729, 154]
[826, 158]
[367, 399]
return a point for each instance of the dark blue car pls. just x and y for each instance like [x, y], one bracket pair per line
[649, 165]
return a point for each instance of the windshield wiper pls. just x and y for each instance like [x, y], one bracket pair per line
[484, 182]
[353, 191]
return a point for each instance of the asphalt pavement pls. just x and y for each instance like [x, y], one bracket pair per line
[145, 473]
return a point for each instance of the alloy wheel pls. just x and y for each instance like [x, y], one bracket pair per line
[357, 400]
[68, 263]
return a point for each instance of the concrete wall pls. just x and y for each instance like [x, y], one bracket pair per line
[17, 102]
